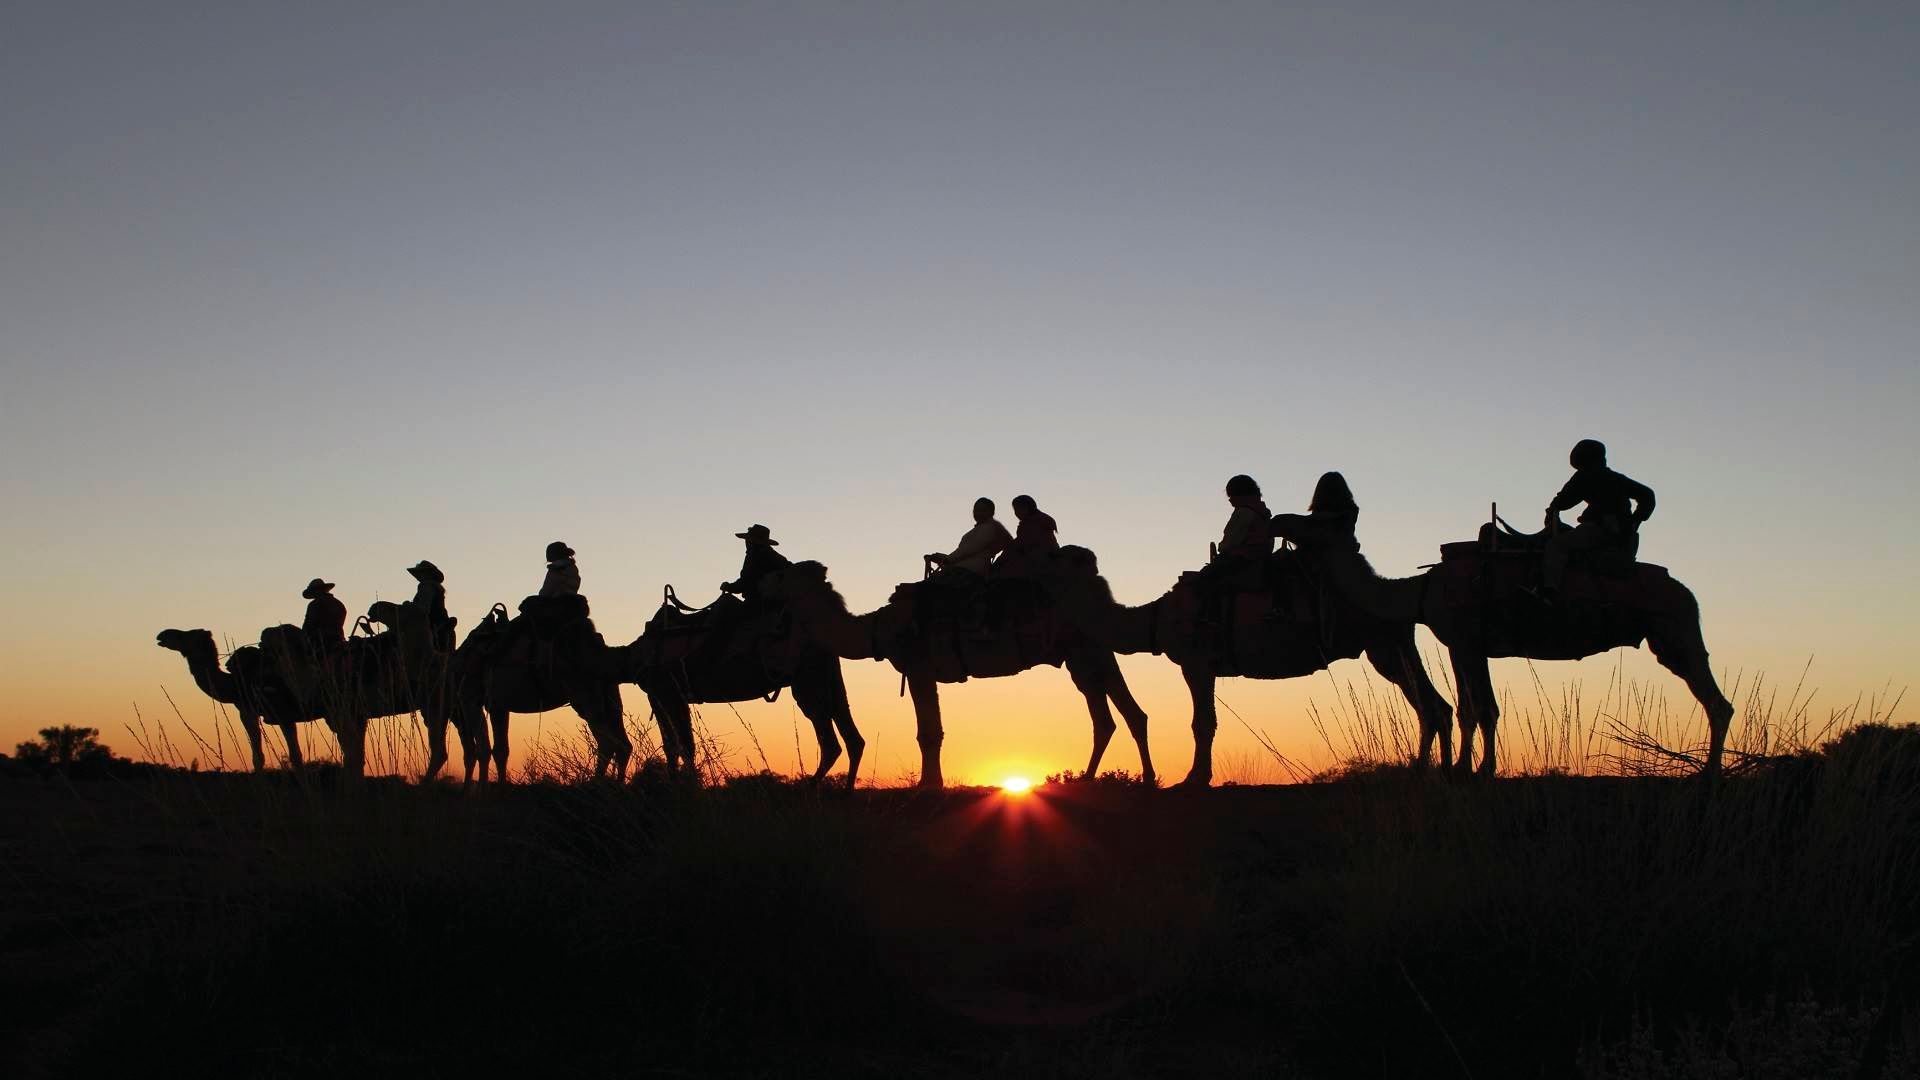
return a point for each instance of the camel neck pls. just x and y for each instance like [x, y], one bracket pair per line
[204, 665]
[1394, 599]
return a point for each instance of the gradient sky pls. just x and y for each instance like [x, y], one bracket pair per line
[290, 290]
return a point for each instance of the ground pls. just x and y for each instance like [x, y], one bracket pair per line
[1382, 924]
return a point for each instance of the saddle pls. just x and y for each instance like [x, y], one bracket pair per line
[979, 606]
[1493, 578]
[1498, 540]
[726, 635]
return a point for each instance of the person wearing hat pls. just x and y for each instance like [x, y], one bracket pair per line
[1616, 505]
[326, 622]
[563, 574]
[760, 561]
[431, 593]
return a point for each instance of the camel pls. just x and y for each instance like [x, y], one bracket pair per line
[1291, 631]
[279, 680]
[530, 675]
[427, 672]
[1471, 601]
[675, 662]
[932, 650]
[384, 675]
[242, 685]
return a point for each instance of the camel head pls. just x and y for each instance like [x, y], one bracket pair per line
[384, 612]
[186, 642]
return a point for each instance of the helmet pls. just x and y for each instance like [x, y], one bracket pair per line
[1588, 454]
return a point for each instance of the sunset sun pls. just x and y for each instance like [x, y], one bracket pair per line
[1016, 785]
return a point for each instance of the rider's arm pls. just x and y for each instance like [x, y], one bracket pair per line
[1642, 497]
[978, 540]
[1572, 494]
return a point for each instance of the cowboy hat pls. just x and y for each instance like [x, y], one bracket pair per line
[758, 534]
[315, 588]
[426, 571]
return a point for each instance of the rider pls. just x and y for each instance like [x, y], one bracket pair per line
[967, 563]
[724, 619]
[1329, 520]
[326, 623]
[431, 594]
[1033, 544]
[1608, 521]
[1246, 541]
[563, 574]
[760, 560]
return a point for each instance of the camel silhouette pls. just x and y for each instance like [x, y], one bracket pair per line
[1295, 630]
[1472, 603]
[674, 662]
[927, 654]
[244, 685]
[428, 675]
[382, 675]
[282, 682]
[529, 675]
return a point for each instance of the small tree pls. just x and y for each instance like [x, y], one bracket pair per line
[65, 746]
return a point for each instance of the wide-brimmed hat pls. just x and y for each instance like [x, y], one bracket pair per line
[315, 588]
[758, 534]
[559, 550]
[426, 571]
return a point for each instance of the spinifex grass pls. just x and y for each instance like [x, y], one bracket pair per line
[1382, 924]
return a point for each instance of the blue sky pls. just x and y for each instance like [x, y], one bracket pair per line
[308, 291]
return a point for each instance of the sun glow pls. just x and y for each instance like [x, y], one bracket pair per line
[1016, 785]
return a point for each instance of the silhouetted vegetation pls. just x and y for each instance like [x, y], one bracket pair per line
[68, 751]
[1388, 924]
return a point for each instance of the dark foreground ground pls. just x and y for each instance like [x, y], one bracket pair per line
[1382, 925]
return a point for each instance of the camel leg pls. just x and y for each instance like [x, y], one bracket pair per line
[816, 705]
[1478, 709]
[1087, 678]
[926, 717]
[1133, 714]
[1398, 662]
[353, 747]
[436, 721]
[473, 746]
[842, 713]
[1683, 652]
[500, 717]
[593, 712]
[599, 707]
[615, 719]
[674, 718]
[856, 745]
[252, 725]
[1205, 721]
[291, 732]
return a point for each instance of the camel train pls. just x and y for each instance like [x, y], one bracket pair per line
[1254, 612]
